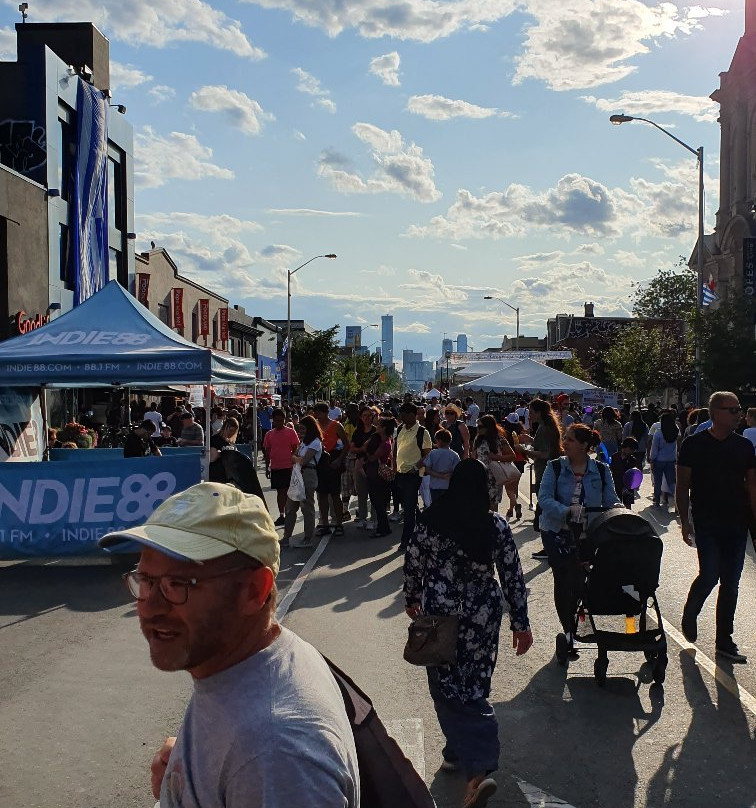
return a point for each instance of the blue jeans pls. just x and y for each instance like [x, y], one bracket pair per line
[721, 554]
[663, 469]
[470, 729]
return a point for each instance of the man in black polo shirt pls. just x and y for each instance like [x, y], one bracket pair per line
[140, 443]
[716, 474]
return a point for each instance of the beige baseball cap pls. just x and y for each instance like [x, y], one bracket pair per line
[206, 521]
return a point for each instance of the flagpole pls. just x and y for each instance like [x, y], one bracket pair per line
[700, 272]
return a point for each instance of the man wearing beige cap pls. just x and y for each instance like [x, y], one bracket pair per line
[266, 724]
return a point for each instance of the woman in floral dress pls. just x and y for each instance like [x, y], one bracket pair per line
[491, 444]
[449, 569]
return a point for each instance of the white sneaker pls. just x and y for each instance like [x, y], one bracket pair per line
[360, 523]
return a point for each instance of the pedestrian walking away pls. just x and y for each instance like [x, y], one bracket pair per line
[266, 723]
[378, 455]
[663, 456]
[306, 456]
[716, 477]
[491, 445]
[449, 570]
[335, 444]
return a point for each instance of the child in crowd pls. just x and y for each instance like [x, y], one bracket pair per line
[623, 460]
[439, 464]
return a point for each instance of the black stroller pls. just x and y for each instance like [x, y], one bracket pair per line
[623, 553]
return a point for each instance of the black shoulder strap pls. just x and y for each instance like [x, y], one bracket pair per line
[419, 437]
[396, 439]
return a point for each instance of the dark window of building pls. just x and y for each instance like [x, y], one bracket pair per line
[195, 326]
[116, 186]
[66, 148]
[64, 257]
[215, 331]
[164, 313]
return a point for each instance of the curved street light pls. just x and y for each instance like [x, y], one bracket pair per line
[289, 273]
[516, 310]
[699, 152]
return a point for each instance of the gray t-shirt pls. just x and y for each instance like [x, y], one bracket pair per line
[444, 461]
[269, 732]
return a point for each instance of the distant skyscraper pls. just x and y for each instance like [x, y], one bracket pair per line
[462, 343]
[387, 340]
[447, 346]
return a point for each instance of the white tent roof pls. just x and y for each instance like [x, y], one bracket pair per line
[527, 376]
[477, 369]
[432, 393]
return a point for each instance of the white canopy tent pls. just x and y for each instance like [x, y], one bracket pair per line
[476, 370]
[527, 376]
[432, 393]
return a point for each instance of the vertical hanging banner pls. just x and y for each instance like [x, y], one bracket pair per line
[88, 215]
[21, 427]
[223, 325]
[749, 267]
[177, 304]
[143, 288]
[203, 304]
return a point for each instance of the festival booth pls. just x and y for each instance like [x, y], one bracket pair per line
[432, 393]
[527, 376]
[109, 340]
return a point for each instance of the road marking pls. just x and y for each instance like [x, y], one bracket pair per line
[540, 799]
[300, 580]
[408, 733]
[721, 676]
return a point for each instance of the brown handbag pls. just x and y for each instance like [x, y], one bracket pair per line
[432, 640]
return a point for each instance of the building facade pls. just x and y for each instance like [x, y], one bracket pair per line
[461, 343]
[730, 256]
[41, 109]
[387, 340]
[447, 346]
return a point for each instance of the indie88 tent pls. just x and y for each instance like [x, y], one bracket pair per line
[109, 340]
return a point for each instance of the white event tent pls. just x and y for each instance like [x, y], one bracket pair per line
[527, 376]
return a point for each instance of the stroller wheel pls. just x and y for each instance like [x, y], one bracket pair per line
[562, 650]
[600, 667]
[660, 668]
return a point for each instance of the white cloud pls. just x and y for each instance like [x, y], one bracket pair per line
[398, 168]
[431, 284]
[177, 156]
[438, 108]
[577, 204]
[649, 102]
[240, 110]
[420, 20]
[161, 92]
[386, 67]
[310, 212]
[124, 77]
[413, 328]
[160, 24]
[309, 85]
[590, 249]
[584, 43]
[213, 226]
[7, 44]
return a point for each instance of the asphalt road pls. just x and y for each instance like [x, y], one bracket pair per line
[82, 710]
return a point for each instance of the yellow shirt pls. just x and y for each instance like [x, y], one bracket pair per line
[349, 428]
[407, 453]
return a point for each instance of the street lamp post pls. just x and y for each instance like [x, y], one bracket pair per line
[699, 153]
[289, 273]
[516, 310]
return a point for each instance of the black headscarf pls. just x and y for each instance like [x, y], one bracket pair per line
[463, 514]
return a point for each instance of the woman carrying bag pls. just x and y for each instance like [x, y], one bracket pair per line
[449, 570]
[378, 474]
[306, 456]
[574, 489]
[491, 445]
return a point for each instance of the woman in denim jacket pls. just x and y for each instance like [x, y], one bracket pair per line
[567, 502]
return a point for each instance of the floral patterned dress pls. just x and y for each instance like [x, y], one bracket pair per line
[483, 454]
[439, 577]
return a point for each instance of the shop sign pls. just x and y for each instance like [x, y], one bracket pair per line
[26, 323]
[177, 296]
[143, 288]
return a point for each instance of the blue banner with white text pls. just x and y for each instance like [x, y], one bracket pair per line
[62, 509]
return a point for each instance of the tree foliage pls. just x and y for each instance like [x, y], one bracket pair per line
[633, 360]
[728, 345]
[671, 294]
[677, 359]
[312, 360]
[574, 367]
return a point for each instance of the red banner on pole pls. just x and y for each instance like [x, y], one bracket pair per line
[223, 323]
[177, 295]
[204, 316]
[143, 288]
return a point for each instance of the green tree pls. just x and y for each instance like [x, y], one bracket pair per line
[677, 359]
[313, 357]
[671, 294]
[574, 367]
[728, 345]
[633, 360]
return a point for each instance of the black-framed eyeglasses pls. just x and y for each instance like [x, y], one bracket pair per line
[174, 590]
[731, 410]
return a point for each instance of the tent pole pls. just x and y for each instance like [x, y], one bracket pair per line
[46, 441]
[254, 421]
[208, 405]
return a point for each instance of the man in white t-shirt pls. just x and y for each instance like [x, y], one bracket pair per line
[334, 411]
[266, 724]
[153, 415]
[472, 413]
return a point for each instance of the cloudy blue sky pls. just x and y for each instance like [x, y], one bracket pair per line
[444, 150]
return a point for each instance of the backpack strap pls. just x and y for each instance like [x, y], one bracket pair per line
[396, 439]
[419, 437]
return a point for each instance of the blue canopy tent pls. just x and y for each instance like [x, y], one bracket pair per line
[113, 340]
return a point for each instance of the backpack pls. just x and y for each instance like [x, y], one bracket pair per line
[419, 437]
[387, 778]
[556, 467]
